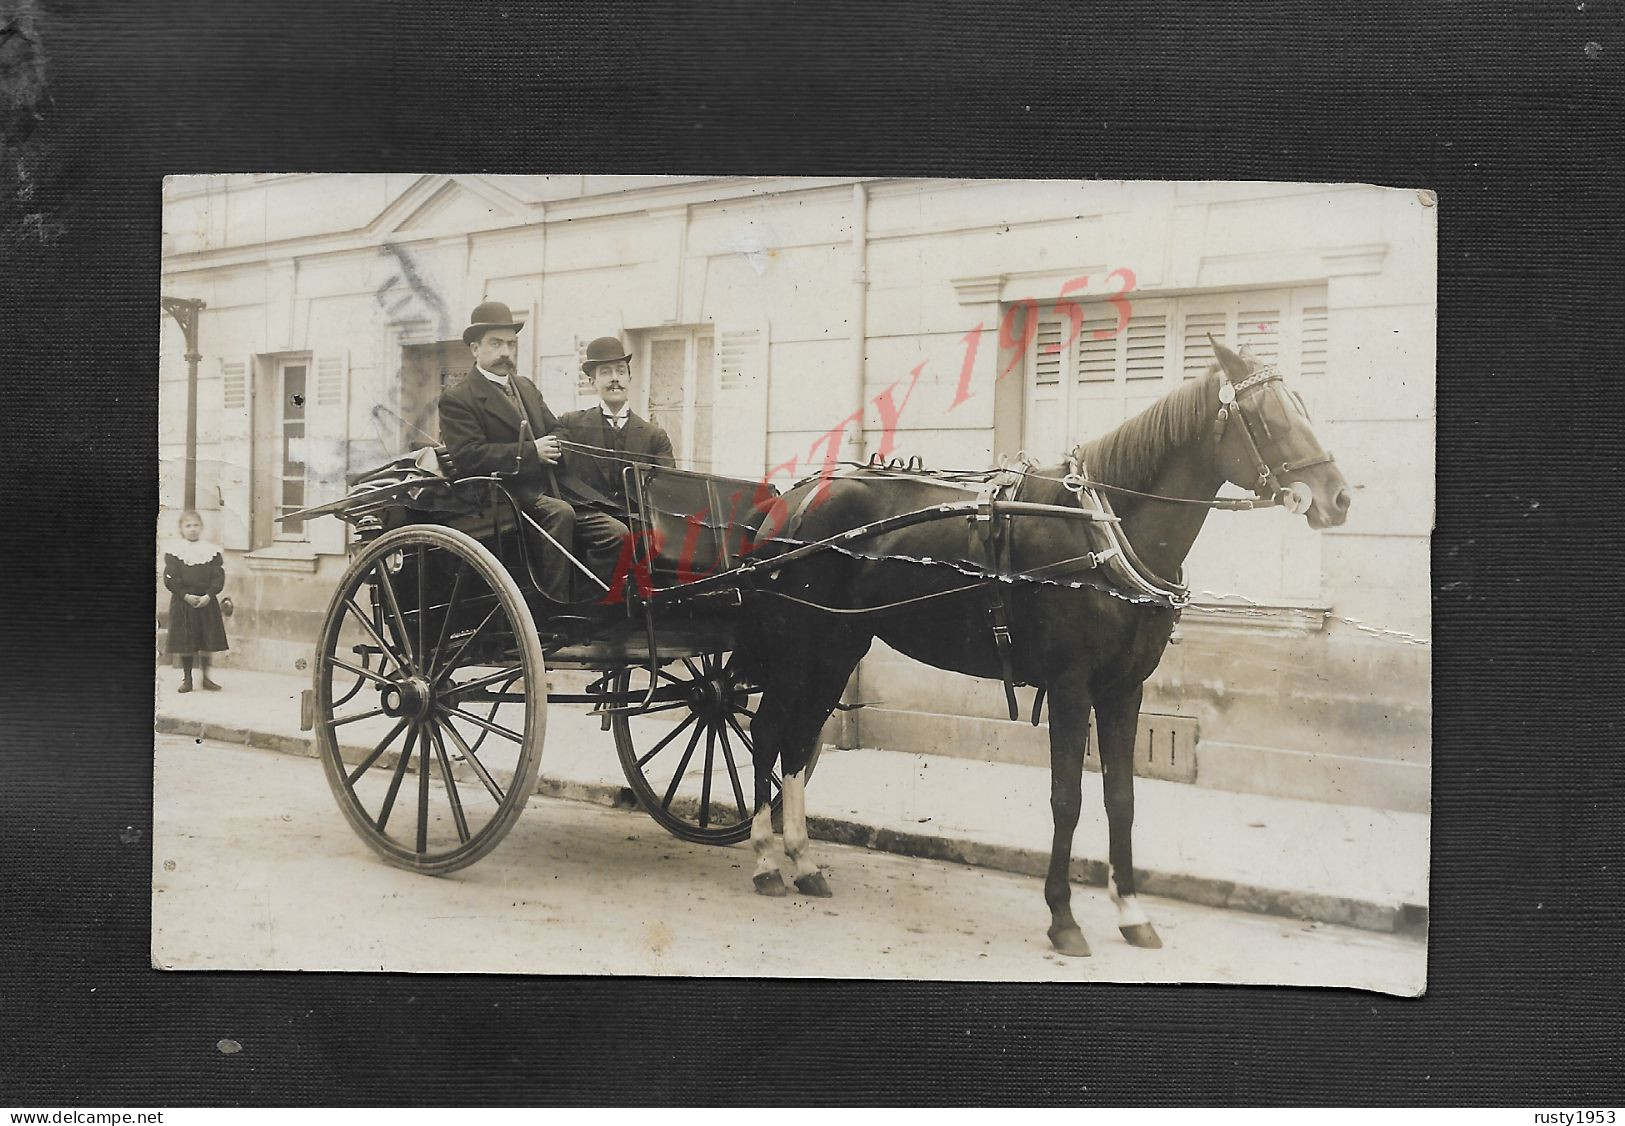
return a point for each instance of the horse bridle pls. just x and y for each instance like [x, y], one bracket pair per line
[1230, 395]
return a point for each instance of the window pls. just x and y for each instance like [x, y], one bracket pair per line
[675, 366]
[427, 372]
[282, 450]
[1106, 376]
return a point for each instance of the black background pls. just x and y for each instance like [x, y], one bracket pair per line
[1500, 108]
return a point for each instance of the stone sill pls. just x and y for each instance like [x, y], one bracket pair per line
[1279, 617]
[298, 558]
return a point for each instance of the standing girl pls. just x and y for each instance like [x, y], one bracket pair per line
[194, 573]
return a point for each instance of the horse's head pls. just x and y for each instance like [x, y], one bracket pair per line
[1268, 445]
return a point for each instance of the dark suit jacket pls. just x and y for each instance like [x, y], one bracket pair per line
[479, 425]
[641, 440]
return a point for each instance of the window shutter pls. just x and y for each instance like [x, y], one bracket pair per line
[1198, 353]
[1047, 397]
[1097, 359]
[1312, 342]
[1145, 347]
[328, 449]
[739, 420]
[1260, 330]
[237, 454]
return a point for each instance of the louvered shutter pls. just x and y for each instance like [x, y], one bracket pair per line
[1312, 342]
[327, 445]
[1046, 388]
[1118, 372]
[739, 418]
[1197, 352]
[236, 530]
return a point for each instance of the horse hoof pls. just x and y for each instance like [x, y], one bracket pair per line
[814, 884]
[770, 883]
[1069, 941]
[1143, 935]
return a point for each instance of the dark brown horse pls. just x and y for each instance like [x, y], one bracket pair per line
[1088, 647]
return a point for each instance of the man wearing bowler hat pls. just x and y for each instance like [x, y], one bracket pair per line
[495, 421]
[620, 435]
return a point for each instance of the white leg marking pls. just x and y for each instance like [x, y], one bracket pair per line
[761, 840]
[795, 824]
[1129, 911]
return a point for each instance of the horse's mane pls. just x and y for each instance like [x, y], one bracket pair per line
[1132, 455]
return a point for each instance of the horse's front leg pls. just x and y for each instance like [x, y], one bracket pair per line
[1068, 735]
[1119, 718]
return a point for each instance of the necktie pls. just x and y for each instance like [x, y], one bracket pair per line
[513, 397]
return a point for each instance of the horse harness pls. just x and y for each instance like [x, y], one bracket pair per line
[991, 547]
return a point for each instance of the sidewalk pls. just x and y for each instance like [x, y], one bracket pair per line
[1348, 865]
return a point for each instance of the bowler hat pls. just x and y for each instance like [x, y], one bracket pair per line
[489, 315]
[604, 350]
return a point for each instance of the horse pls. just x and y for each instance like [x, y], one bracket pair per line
[923, 590]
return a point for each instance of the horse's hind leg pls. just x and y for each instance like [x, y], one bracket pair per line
[1068, 735]
[829, 663]
[765, 730]
[1119, 719]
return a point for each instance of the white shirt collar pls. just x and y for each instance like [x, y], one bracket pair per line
[620, 415]
[499, 380]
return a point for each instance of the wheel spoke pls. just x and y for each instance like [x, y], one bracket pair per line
[452, 796]
[696, 673]
[674, 678]
[451, 662]
[352, 718]
[670, 735]
[744, 736]
[423, 791]
[688, 753]
[423, 609]
[366, 763]
[705, 779]
[733, 772]
[377, 640]
[473, 760]
[494, 728]
[395, 781]
[397, 620]
[368, 673]
[445, 620]
[481, 682]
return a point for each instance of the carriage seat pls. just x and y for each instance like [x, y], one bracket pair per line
[701, 523]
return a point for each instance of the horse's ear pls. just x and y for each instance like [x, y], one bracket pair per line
[1234, 366]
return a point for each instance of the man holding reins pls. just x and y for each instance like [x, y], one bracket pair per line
[496, 422]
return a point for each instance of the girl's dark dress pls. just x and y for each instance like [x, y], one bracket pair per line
[195, 568]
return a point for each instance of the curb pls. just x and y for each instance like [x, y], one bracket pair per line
[1408, 920]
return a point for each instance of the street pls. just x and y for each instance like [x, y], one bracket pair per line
[254, 867]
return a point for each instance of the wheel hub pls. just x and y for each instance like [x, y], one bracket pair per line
[409, 696]
[709, 696]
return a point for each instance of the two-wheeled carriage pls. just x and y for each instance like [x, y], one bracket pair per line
[438, 659]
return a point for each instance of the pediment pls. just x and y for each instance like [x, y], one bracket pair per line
[454, 207]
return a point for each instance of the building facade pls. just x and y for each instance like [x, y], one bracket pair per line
[779, 323]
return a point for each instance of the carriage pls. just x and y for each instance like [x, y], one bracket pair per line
[724, 640]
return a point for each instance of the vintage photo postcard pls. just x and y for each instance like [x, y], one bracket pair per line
[795, 577]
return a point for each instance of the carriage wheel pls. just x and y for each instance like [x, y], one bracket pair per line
[429, 770]
[695, 771]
